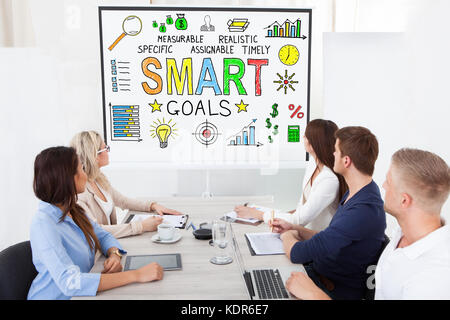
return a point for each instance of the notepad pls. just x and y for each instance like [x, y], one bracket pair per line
[265, 243]
[178, 221]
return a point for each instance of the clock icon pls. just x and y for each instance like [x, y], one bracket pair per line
[288, 55]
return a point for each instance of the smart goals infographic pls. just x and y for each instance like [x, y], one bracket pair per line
[205, 85]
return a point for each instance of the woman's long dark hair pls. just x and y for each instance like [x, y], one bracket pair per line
[320, 134]
[54, 183]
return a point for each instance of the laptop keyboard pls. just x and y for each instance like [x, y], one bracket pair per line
[269, 284]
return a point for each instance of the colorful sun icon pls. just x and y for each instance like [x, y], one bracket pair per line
[285, 82]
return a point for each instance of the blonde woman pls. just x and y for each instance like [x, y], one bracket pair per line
[100, 198]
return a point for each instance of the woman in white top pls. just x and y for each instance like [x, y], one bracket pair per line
[100, 198]
[322, 187]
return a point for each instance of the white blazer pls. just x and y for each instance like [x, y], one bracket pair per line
[321, 204]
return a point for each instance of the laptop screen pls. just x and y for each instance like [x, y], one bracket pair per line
[245, 275]
[237, 251]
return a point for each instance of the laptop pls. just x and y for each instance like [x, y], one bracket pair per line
[264, 283]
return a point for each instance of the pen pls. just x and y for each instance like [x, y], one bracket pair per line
[271, 222]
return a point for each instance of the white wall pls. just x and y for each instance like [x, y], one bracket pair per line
[32, 121]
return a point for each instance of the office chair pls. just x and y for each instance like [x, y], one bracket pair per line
[370, 293]
[17, 271]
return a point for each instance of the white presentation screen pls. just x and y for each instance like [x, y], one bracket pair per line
[213, 86]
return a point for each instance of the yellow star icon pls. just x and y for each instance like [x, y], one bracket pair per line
[242, 106]
[156, 106]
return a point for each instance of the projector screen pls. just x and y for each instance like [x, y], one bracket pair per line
[208, 86]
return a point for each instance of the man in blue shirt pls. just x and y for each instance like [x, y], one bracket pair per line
[336, 259]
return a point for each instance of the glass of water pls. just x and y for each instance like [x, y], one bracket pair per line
[221, 235]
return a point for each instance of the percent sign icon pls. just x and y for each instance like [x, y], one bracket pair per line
[296, 112]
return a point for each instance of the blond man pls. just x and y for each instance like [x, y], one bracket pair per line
[416, 263]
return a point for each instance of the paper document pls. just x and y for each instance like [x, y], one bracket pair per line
[176, 221]
[265, 243]
[263, 209]
[233, 215]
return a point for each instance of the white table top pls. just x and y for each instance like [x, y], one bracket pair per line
[199, 279]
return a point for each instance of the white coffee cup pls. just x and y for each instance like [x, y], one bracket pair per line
[166, 231]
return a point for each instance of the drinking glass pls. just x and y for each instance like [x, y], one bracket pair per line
[221, 234]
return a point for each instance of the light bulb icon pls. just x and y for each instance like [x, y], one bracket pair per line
[163, 132]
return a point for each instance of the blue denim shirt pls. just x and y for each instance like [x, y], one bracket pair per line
[62, 256]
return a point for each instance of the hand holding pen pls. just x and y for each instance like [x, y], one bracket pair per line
[279, 225]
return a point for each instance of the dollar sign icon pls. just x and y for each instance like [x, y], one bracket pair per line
[275, 129]
[269, 125]
[270, 139]
[275, 110]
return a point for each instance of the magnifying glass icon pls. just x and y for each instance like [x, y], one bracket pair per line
[131, 26]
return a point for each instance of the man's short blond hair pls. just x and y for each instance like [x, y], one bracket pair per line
[425, 175]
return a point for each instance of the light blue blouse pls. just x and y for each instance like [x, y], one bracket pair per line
[62, 256]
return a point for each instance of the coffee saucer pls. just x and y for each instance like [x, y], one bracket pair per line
[177, 237]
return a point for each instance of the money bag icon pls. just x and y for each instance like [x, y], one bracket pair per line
[181, 23]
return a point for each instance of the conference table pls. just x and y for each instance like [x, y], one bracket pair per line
[199, 279]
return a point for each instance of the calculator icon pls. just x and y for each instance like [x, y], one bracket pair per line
[293, 133]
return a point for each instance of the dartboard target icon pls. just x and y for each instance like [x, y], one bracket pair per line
[206, 133]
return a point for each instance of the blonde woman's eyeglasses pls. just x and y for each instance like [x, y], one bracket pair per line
[107, 148]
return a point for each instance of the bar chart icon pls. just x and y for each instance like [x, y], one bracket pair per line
[245, 137]
[125, 123]
[287, 29]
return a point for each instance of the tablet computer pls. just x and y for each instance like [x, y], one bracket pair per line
[167, 261]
